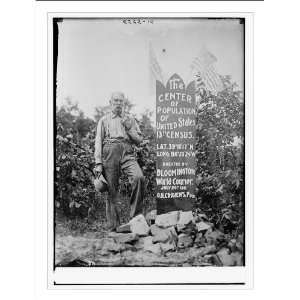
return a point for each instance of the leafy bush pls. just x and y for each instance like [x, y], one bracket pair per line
[220, 156]
[74, 190]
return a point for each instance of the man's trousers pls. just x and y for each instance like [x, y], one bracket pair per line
[117, 157]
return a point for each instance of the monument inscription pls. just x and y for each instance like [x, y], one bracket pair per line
[175, 145]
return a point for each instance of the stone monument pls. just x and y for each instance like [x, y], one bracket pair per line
[175, 145]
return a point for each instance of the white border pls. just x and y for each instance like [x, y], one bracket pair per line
[134, 275]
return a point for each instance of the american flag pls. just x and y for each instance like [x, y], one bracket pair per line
[155, 69]
[206, 75]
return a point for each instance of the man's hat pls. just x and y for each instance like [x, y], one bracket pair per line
[100, 184]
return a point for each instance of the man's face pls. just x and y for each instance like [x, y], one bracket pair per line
[117, 102]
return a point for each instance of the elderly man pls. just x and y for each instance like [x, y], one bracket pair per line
[116, 132]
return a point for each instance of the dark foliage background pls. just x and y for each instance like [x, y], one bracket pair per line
[220, 161]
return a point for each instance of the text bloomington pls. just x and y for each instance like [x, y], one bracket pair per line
[175, 172]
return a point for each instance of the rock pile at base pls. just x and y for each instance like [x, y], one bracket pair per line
[177, 238]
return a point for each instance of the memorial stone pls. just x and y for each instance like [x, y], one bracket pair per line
[175, 145]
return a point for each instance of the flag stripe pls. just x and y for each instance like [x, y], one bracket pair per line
[217, 76]
[214, 78]
[207, 78]
[154, 65]
[203, 65]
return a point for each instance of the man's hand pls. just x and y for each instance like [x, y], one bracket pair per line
[98, 170]
[127, 123]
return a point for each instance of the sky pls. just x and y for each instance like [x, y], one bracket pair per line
[99, 56]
